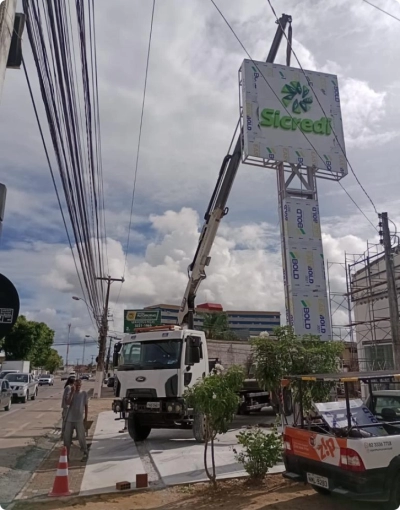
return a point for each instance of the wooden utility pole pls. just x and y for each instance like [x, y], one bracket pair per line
[392, 290]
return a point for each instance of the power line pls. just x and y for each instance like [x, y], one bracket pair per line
[288, 112]
[379, 9]
[323, 111]
[138, 145]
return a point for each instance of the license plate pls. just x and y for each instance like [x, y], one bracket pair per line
[153, 405]
[320, 481]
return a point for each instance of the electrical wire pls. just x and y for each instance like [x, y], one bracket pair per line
[71, 105]
[138, 146]
[379, 9]
[288, 112]
[323, 111]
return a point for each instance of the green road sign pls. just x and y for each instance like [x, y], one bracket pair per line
[134, 319]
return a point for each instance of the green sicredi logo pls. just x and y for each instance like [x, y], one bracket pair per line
[297, 98]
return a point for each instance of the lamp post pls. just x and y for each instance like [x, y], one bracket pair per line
[84, 346]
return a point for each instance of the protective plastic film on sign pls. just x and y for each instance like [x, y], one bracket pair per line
[283, 119]
[308, 314]
[306, 271]
[301, 221]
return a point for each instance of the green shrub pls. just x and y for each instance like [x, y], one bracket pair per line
[260, 451]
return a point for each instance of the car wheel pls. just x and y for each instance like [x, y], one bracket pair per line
[394, 501]
[321, 490]
[25, 398]
[7, 408]
[33, 397]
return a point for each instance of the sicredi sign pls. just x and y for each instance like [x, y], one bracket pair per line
[284, 119]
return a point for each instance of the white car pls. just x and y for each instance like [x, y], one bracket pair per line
[23, 386]
[46, 379]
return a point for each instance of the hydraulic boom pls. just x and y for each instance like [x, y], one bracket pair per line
[217, 207]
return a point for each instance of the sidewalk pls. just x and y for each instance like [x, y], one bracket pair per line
[42, 480]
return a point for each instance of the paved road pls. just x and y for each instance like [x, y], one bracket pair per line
[26, 435]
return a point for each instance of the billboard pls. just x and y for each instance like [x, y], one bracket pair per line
[308, 314]
[141, 319]
[284, 120]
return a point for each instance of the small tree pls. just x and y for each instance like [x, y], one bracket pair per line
[261, 451]
[216, 398]
[216, 326]
[289, 354]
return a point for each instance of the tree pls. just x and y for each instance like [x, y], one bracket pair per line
[216, 399]
[28, 340]
[216, 326]
[53, 362]
[288, 354]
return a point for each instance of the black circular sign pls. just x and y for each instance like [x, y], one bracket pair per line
[9, 305]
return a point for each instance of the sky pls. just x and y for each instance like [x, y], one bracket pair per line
[191, 110]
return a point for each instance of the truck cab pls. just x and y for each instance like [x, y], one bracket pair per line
[155, 367]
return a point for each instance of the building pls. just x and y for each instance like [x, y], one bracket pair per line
[243, 323]
[368, 290]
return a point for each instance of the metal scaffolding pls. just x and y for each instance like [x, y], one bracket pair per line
[367, 299]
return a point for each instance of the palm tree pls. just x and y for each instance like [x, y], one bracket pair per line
[216, 326]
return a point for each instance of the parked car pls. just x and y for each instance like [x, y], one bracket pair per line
[46, 379]
[5, 395]
[85, 377]
[385, 404]
[110, 382]
[23, 386]
[5, 372]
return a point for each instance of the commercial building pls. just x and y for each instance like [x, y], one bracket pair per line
[244, 323]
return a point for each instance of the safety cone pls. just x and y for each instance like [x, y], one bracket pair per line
[60, 487]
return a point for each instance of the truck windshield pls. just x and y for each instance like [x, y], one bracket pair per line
[152, 355]
[21, 378]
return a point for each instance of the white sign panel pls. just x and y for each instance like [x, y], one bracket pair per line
[283, 119]
[301, 221]
[306, 271]
[309, 315]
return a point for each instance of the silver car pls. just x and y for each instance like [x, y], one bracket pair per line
[23, 386]
[46, 379]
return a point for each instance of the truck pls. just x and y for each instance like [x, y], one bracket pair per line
[155, 367]
[14, 367]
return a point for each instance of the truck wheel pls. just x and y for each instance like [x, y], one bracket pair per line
[287, 402]
[394, 501]
[25, 398]
[198, 428]
[321, 490]
[33, 397]
[243, 409]
[136, 431]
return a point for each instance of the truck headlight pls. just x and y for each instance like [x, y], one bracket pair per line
[169, 408]
[178, 408]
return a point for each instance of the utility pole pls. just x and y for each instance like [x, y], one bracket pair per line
[66, 357]
[391, 286]
[7, 15]
[103, 335]
[109, 350]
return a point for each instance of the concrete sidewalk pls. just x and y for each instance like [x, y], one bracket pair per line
[179, 459]
[113, 458]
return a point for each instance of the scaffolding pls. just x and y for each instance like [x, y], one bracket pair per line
[367, 299]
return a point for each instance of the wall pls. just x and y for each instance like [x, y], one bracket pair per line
[230, 353]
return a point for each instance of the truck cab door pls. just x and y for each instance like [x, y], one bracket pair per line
[193, 362]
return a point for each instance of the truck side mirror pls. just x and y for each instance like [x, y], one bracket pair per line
[117, 348]
[192, 355]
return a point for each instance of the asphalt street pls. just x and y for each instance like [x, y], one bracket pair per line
[27, 433]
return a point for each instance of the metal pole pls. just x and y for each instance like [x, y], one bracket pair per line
[66, 356]
[346, 394]
[83, 353]
[392, 291]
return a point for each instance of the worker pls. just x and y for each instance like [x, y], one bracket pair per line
[64, 405]
[76, 418]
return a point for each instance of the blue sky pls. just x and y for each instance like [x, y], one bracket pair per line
[191, 110]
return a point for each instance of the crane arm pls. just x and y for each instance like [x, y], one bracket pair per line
[217, 209]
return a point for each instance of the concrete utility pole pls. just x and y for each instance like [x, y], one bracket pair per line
[7, 15]
[392, 290]
[69, 334]
[103, 335]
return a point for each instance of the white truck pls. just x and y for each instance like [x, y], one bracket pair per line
[14, 367]
[155, 366]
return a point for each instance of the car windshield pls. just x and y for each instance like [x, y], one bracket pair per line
[152, 355]
[21, 378]
[44, 376]
[388, 402]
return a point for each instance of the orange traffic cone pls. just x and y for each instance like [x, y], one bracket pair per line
[60, 487]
